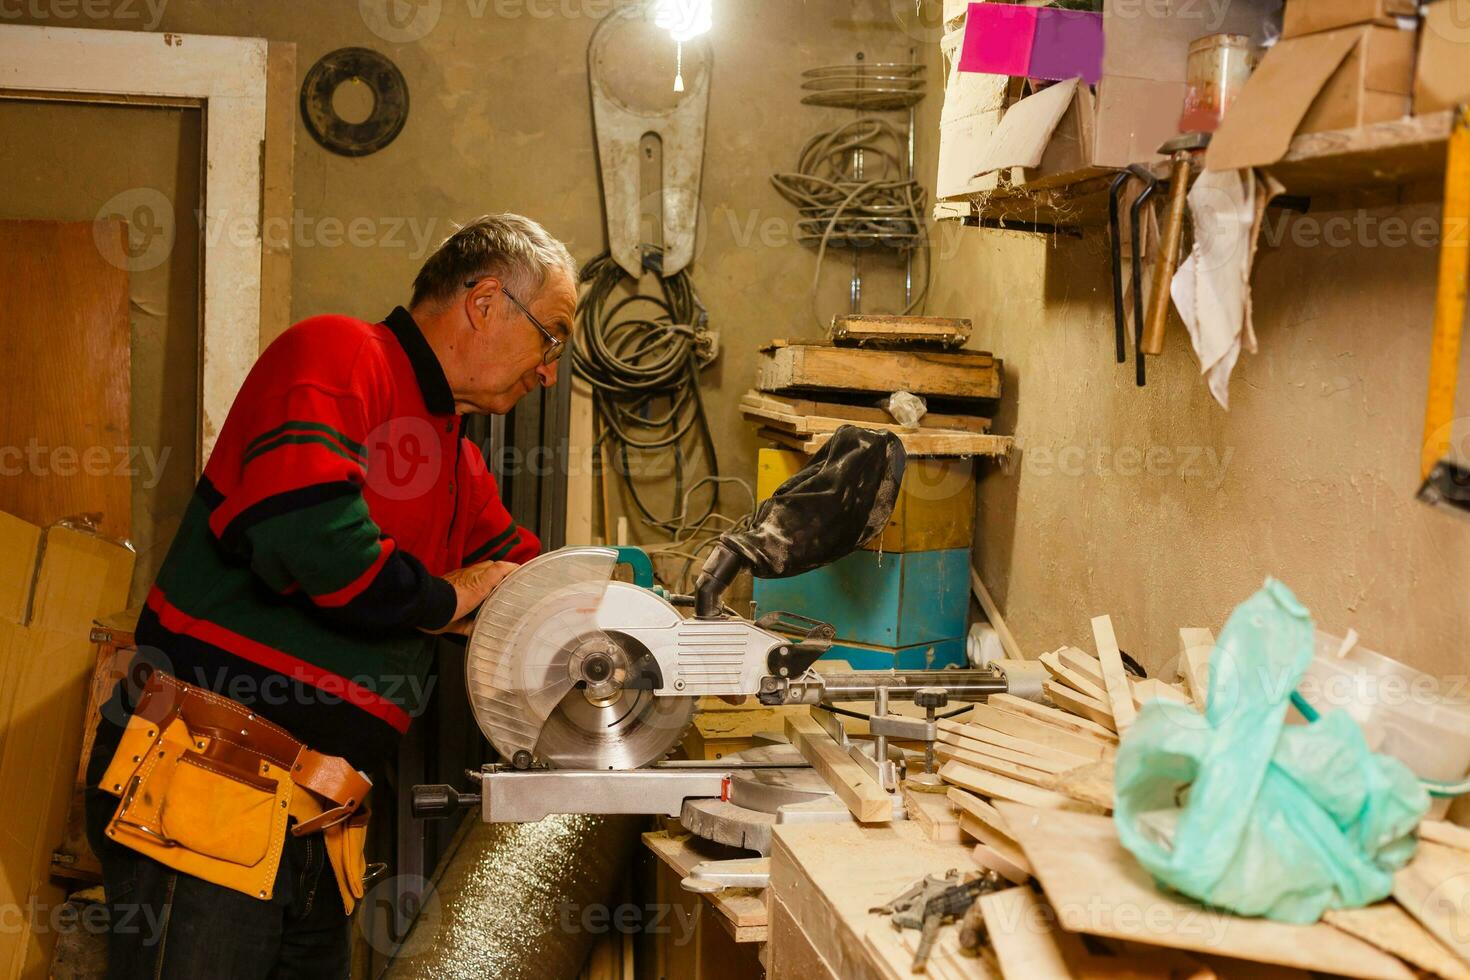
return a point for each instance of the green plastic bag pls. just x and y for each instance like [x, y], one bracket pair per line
[1240, 811]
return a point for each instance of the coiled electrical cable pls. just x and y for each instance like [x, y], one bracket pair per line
[641, 357]
[842, 206]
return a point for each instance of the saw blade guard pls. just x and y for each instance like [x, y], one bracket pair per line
[516, 661]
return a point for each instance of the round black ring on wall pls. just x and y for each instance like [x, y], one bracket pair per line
[390, 101]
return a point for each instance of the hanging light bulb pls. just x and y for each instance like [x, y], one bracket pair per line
[685, 20]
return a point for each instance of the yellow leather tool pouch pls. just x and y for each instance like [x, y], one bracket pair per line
[196, 813]
[207, 787]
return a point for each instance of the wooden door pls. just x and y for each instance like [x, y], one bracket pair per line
[64, 373]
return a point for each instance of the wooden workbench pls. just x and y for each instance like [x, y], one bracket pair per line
[825, 878]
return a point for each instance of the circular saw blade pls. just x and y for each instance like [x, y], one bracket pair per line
[516, 660]
[521, 661]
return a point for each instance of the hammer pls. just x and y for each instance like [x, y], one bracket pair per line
[1181, 151]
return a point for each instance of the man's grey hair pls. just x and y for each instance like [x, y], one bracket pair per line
[514, 249]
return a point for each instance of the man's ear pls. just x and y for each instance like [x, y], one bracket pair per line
[478, 302]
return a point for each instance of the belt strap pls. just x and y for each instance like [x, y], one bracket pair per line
[233, 728]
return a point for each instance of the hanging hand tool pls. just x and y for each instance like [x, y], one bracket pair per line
[1182, 151]
[1120, 310]
[1447, 482]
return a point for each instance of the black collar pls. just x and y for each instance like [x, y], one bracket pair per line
[426, 368]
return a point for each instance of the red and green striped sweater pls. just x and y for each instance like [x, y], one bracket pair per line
[341, 488]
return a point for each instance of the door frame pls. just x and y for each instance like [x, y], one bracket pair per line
[226, 77]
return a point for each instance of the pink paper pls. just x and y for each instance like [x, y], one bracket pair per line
[1068, 44]
[998, 38]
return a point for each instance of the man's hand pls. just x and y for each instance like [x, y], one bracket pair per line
[471, 585]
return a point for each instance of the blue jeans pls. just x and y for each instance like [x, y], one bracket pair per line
[166, 924]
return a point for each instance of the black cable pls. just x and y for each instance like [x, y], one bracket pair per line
[639, 353]
[858, 714]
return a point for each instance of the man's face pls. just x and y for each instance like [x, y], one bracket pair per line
[505, 359]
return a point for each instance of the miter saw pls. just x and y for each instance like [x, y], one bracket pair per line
[584, 682]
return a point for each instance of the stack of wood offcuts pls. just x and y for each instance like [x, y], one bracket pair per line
[805, 391]
[1031, 786]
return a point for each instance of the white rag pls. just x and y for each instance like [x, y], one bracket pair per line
[1211, 289]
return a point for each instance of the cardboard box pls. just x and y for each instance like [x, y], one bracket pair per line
[1141, 94]
[1372, 84]
[1442, 79]
[1311, 16]
[1330, 80]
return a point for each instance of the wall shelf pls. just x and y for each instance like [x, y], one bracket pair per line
[1387, 154]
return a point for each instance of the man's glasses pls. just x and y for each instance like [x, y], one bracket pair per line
[556, 346]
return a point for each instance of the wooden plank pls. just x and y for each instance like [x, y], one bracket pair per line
[1025, 774]
[971, 374]
[64, 379]
[1151, 688]
[1443, 832]
[932, 812]
[997, 787]
[1092, 783]
[1075, 679]
[1022, 746]
[850, 781]
[806, 415]
[1387, 926]
[1016, 757]
[1097, 887]
[1079, 703]
[743, 908]
[995, 855]
[992, 613]
[277, 190]
[1115, 678]
[883, 328]
[1038, 733]
[1016, 922]
[1064, 720]
[791, 954]
[1195, 647]
[1435, 889]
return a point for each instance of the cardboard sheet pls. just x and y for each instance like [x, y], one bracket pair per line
[1022, 136]
[973, 106]
[1258, 129]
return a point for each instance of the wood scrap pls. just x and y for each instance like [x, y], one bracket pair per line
[967, 374]
[1007, 863]
[1097, 887]
[997, 787]
[1054, 716]
[1080, 704]
[1387, 926]
[1195, 647]
[1092, 783]
[1038, 733]
[1075, 679]
[1115, 678]
[982, 740]
[1151, 688]
[1435, 889]
[916, 442]
[992, 613]
[880, 328]
[1015, 924]
[1090, 668]
[1443, 832]
[933, 812]
[983, 822]
[1025, 746]
[978, 760]
[809, 415]
[850, 781]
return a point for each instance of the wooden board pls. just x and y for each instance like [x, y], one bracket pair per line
[1053, 716]
[1075, 679]
[915, 442]
[277, 189]
[850, 781]
[1017, 924]
[1022, 757]
[1115, 678]
[1080, 704]
[996, 787]
[804, 415]
[65, 351]
[1028, 748]
[995, 854]
[878, 329]
[1092, 783]
[992, 613]
[1387, 926]
[1443, 832]
[1195, 647]
[972, 374]
[744, 909]
[1435, 890]
[1039, 733]
[932, 812]
[829, 875]
[988, 763]
[1097, 887]
[790, 954]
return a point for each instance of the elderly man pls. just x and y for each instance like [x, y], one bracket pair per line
[342, 517]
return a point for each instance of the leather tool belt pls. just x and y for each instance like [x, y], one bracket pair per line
[207, 787]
